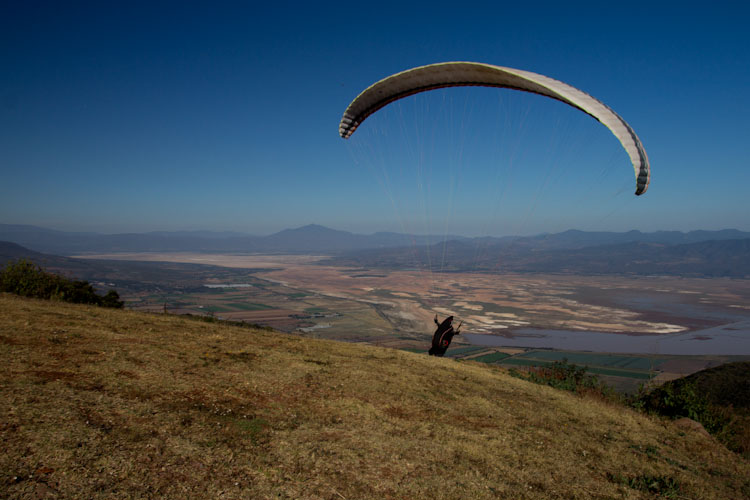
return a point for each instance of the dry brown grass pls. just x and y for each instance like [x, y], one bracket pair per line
[115, 404]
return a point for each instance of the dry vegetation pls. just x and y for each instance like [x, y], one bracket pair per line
[118, 404]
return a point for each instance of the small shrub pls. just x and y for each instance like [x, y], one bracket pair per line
[25, 279]
[569, 377]
[112, 299]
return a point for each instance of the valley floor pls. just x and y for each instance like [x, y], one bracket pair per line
[639, 328]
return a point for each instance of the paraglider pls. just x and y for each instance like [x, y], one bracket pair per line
[443, 336]
[456, 74]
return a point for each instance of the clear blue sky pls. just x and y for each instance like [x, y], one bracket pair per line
[139, 116]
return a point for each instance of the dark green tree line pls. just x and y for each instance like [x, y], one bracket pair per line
[25, 278]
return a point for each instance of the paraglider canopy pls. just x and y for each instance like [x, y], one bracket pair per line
[456, 74]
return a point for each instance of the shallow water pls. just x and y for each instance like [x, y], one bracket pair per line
[729, 339]
[670, 304]
[235, 285]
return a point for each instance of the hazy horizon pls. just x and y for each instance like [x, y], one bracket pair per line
[353, 231]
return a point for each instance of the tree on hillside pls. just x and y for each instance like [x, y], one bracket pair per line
[25, 278]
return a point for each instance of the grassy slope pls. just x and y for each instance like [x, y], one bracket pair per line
[102, 403]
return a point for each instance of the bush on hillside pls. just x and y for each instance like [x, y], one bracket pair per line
[25, 278]
[569, 377]
[681, 398]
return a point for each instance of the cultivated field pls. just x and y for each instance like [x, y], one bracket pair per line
[395, 308]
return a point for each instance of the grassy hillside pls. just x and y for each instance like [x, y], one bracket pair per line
[719, 397]
[100, 403]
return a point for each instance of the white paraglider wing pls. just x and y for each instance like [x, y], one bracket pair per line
[456, 74]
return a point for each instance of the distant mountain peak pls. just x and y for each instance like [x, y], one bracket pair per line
[318, 227]
[310, 229]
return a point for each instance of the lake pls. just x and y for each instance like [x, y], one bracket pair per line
[728, 339]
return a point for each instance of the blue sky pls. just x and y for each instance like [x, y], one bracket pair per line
[130, 116]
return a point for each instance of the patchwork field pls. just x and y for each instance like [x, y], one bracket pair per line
[395, 309]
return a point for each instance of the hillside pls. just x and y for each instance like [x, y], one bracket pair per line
[12, 251]
[727, 390]
[101, 403]
[725, 385]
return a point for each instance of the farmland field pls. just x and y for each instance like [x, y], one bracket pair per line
[507, 317]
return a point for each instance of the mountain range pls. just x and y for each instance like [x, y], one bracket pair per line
[695, 253]
[319, 239]
[303, 240]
